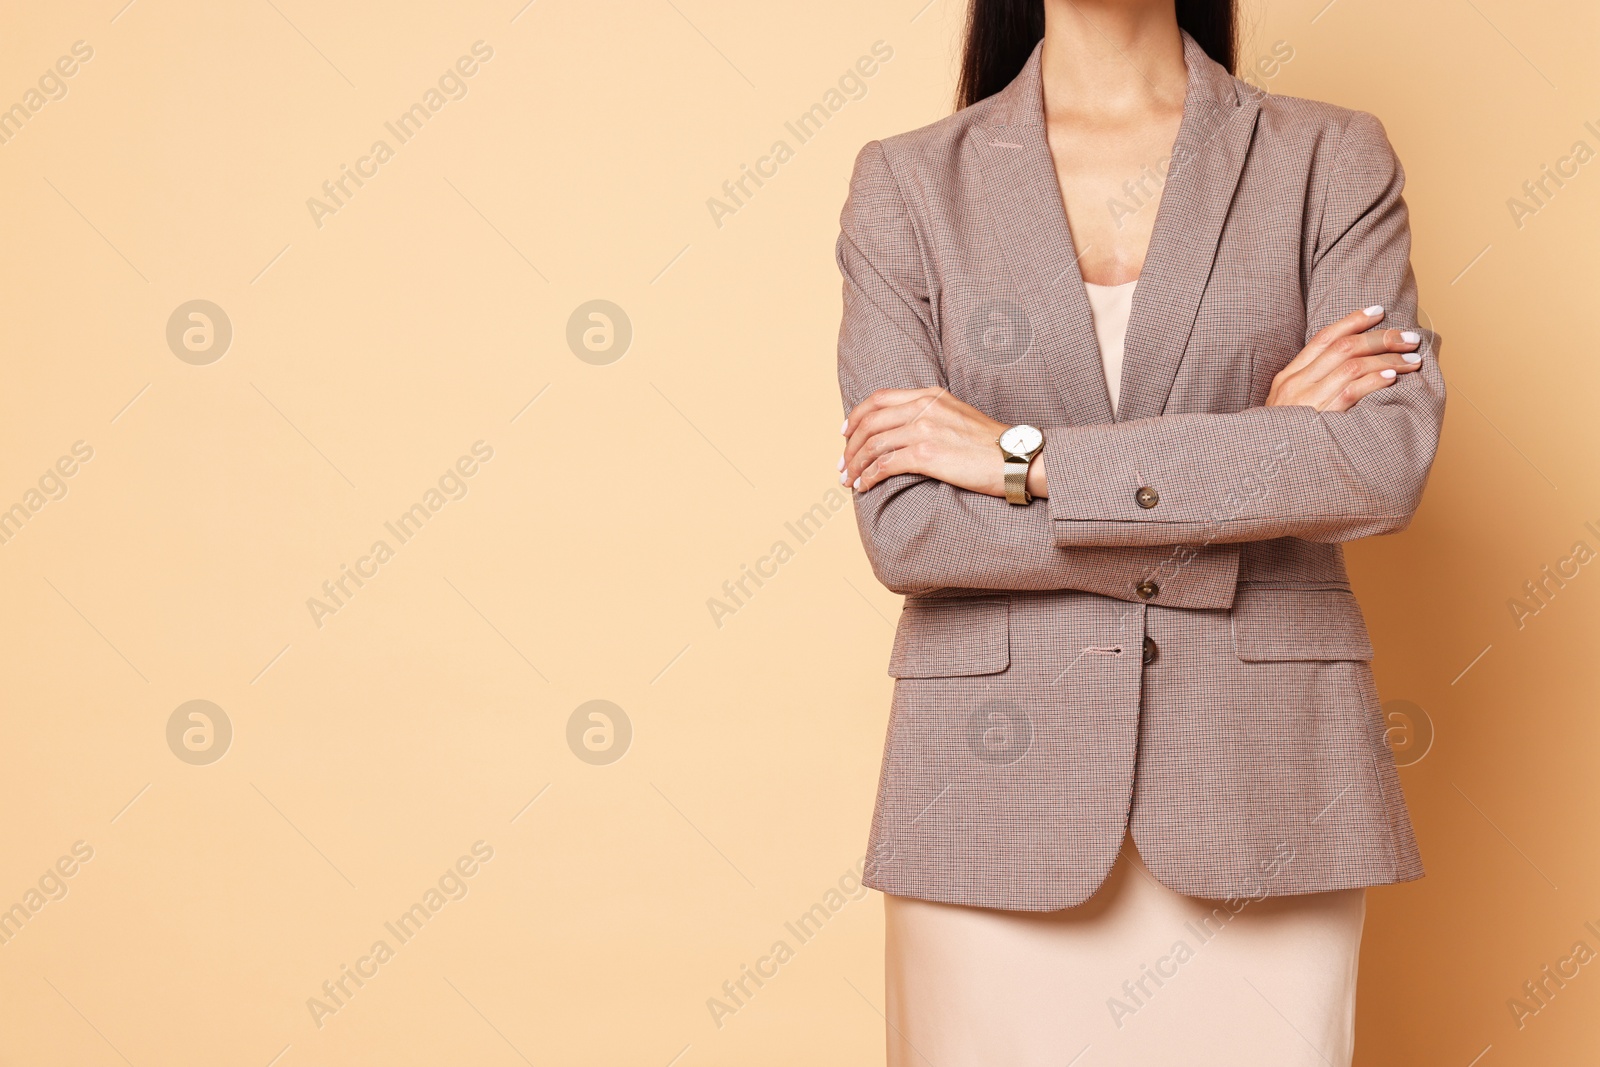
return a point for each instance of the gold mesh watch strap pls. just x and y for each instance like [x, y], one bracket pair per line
[1017, 481]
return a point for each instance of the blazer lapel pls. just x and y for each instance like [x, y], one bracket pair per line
[1207, 157]
[1023, 199]
[1030, 226]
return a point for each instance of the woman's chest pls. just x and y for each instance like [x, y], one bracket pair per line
[1110, 176]
[997, 336]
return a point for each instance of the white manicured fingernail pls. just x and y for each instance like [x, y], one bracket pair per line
[842, 478]
[844, 427]
[1411, 357]
[841, 463]
[1375, 310]
[1410, 337]
[856, 485]
[1387, 372]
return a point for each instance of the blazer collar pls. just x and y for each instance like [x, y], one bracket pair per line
[1030, 225]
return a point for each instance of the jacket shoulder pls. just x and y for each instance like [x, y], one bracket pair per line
[942, 137]
[916, 156]
[1327, 129]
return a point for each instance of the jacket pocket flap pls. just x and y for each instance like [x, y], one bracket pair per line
[1287, 623]
[949, 636]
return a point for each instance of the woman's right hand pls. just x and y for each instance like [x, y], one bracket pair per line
[1344, 362]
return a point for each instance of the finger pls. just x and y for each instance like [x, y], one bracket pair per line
[1365, 365]
[1357, 368]
[1351, 394]
[873, 424]
[1409, 347]
[895, 461]
[1356, 322]
[914, 404]
[1397, 341]
[877, 446]
[1345, 349]
[880, 399]
[864, 422]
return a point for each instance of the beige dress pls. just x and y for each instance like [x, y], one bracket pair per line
[1139, 974]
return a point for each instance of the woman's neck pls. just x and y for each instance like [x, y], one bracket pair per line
[1104, 59]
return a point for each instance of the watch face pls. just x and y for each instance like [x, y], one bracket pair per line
[1020, 440]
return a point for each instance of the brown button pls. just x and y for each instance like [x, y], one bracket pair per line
[1149, 650]
[1146, 497]
[1147, 589]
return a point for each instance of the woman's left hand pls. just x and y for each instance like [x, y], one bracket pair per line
[922, 431]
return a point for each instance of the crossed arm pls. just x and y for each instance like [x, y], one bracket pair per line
[1344, 442]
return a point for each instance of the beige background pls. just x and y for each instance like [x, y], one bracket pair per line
[431, 710]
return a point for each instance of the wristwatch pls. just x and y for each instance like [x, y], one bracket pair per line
[1018, 446]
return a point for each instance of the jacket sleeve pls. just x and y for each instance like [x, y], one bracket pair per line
[1273, 472]
[923, 535]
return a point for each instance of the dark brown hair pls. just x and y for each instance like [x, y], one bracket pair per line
[1001, 35]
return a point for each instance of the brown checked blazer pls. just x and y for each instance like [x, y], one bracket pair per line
[1188, 663]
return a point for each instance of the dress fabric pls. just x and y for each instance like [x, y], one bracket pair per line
[1110, 305]
[1138, 974]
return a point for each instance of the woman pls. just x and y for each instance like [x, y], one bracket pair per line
[1128, 350]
